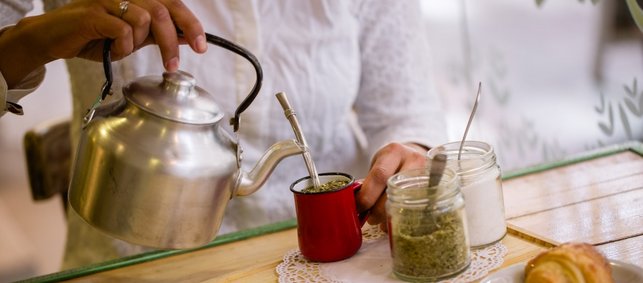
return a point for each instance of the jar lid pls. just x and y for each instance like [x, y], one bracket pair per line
[476, 156]
[175, 97]
[412, 187]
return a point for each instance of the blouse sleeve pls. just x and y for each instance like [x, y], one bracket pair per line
[10, 12]
[9, 97]
[396, 101]
[13, 10]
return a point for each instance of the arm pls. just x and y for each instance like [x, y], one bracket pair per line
[77, 30]
[399, 113]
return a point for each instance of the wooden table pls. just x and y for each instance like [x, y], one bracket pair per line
[595, 197]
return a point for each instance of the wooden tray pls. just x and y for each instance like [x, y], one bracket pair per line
[588, 185]
[595, 198]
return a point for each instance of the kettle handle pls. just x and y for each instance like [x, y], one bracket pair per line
[229, 45]
[213, 39]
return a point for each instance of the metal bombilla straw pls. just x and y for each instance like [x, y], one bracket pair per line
[299, 135]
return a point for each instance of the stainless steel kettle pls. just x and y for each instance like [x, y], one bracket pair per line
[158, 168]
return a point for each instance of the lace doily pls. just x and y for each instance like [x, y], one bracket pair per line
[373, 263]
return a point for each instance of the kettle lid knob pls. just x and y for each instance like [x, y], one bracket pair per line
[181, 83]
[175, 97]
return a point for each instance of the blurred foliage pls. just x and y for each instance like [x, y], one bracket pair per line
[629, 105]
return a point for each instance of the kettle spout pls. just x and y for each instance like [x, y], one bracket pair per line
[250, 182]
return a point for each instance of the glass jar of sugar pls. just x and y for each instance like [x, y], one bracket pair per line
[427, 225]
[481, 184]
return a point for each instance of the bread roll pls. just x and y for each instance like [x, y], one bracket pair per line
[569, 263]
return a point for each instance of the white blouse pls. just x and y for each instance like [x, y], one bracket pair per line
[355, 72]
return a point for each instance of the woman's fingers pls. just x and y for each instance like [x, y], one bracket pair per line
[139, 21]
[384, 164]
[387, 161]
[378, 211]
[185, 20]
[79, 29]
[163, 14]
[157, 21]
[163, 31]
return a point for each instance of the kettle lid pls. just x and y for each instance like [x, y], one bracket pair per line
[176, 97]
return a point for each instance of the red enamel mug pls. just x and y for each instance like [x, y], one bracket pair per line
[328, 223]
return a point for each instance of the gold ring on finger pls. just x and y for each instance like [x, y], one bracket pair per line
[123, 5]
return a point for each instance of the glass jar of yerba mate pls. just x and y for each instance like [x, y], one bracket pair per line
[427, 226]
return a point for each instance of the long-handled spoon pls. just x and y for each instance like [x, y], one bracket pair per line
[473, 112]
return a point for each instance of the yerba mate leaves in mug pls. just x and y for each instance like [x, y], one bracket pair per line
[326, 187]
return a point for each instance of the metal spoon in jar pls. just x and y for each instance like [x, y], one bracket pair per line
[473, 112]
[425, 224]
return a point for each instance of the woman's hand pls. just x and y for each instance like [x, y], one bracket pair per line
[392, 158]
[79, 29]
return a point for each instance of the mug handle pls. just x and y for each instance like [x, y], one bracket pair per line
[361, 216]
